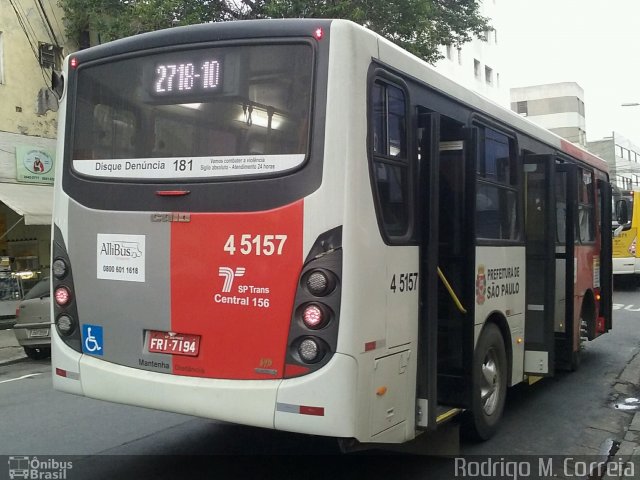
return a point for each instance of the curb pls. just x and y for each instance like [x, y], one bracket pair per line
[12, 360]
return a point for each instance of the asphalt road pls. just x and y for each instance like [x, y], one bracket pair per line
[571, 414]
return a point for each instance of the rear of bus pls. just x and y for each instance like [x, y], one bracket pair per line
[625, 238]
[193, 270]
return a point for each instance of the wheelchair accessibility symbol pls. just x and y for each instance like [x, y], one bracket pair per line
[92, 339]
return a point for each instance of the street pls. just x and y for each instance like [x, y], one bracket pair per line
[579, 413]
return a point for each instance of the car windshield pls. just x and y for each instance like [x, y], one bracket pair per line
[9, 288]
[40, 289]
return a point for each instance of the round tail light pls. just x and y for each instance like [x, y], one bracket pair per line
[62, 296]
[320, 282]
[65, 324]
[313, 317]
[309, 350]
[59, 268]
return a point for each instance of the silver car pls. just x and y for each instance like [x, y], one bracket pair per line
[33, 323]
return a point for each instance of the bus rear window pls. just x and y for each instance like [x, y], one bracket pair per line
[198, 113]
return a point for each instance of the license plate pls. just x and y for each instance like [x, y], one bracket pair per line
[39, 332]
[173, 343]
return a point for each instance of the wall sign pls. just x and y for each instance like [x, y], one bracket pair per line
[34, 165]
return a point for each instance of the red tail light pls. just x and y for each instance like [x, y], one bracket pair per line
[313, 316]
[62, 296]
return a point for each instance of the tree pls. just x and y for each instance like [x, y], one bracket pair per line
[419, 26]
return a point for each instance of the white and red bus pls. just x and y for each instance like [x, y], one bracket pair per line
[295, 224]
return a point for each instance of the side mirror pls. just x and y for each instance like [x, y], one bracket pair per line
[57, 83]
[622, 212]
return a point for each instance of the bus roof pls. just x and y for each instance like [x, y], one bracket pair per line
[389, 53]
[397, 57]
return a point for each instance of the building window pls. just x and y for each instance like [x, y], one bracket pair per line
[476, 68]
[618, 151]
[522, 108]
[495, 36]
[449, 50]
[488, 75]
[459, 56]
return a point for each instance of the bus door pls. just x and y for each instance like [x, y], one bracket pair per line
[566, 198]
[428, 136]
[540, 226]
[446, 335]
[606, 260]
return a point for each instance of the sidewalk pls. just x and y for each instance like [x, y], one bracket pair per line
[10, 350]
[627, 384]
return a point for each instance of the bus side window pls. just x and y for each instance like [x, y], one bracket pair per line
[561, 209]
[586, 207]
[390, 168]
[496, 191]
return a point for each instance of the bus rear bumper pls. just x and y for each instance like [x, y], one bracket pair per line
[322, 403]
[246, 402]
[626, 266]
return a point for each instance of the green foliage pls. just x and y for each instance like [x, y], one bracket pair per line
[416, 25]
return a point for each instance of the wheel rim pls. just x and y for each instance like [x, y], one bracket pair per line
[491, 383]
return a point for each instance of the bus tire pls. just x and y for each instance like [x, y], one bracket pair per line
[489, 385]
[37, 353]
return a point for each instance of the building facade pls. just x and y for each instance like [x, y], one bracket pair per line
[623, 158]
[32, 45]
[558, 107]
[477, 65]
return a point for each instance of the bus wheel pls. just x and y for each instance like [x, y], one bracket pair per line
[576, 357]
[489, 385]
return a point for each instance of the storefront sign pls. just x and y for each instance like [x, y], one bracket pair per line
[34, 165]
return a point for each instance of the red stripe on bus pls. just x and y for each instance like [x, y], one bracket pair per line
[233, 282]
[315, 411]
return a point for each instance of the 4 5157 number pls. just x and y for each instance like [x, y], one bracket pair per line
[255, 244]
[406, 282]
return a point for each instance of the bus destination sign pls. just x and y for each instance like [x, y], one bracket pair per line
[187, 76]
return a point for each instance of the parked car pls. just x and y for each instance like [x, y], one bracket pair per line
[33, 321]
[10, 295]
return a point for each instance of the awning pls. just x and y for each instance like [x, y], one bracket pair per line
[34, 202]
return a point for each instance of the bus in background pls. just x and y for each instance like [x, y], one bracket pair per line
[295, 224]
[625, 234]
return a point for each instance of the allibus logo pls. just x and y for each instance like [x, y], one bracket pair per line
[121, 249]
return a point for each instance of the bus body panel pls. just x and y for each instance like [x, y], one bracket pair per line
[187, 283]
[381, 323]
[66, 366]
[309, 405]
[500, 289]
